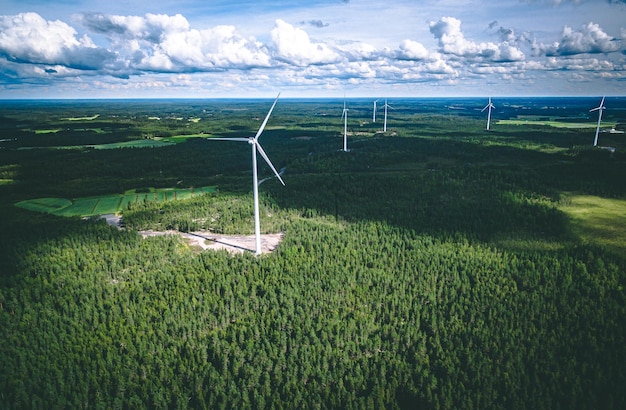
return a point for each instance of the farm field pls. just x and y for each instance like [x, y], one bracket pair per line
[109, 204]
[555, 123]
[435, 265]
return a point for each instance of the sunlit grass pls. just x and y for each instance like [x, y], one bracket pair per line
[597, 220]
[51, 131]
[181, 138]
[108, 204]
[48, 205]
[91, 118]
[557, 124]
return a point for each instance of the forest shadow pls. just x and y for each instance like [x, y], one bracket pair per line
[438, 183]
[446, 187]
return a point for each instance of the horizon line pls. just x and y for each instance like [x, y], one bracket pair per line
[307, 98]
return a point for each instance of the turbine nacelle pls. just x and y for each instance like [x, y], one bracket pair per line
[600, 107]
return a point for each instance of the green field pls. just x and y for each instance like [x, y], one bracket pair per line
[597, 220]
[53, 131]
[131, 144]
[48, 205]
[556, 123]
[108, 204]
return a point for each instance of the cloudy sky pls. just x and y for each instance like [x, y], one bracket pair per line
[311, 48]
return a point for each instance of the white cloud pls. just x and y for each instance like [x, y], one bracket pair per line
[167, 43]
[452, 41]
[28, 38]
[151, 28]
[293, 45]
[589, 39]
[412, 50]
[323, 49]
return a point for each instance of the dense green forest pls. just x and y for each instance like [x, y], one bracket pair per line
[429, 267]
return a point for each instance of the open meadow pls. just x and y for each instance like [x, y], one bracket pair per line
[434, 265]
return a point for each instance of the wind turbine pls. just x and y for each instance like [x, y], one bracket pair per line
[254, 142]
[344, 116]
[488, 106]
[600, 108]
[385, 123]
[374, 114]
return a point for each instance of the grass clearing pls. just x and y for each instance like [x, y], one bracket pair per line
[557, 124]
[181, 138]
[132, 144]
[93, 117]
[48, 205]
[52, 131]
[597, 220]
[108, 204]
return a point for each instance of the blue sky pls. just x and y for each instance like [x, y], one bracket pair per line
[314, 48]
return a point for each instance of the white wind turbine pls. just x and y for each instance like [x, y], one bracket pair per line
[385, 122]
[489, 106]
[600, 108]
[254, 142]
[374, 113]
[344, 116]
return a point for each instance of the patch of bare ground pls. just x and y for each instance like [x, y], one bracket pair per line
[208, 240]
[232, 243]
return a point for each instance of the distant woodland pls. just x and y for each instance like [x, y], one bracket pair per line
[431, 266]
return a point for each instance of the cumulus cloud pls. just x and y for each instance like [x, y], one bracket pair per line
[590, 39]
[412, 50]
[148, 45]
[452, 41]
[28, 38]
[151, 27]
[294, 46]
[167, 43]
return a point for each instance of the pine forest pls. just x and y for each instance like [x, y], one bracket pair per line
[436, 265]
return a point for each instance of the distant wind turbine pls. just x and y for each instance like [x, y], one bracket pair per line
[344, 116]
[254, 142]
[489, 106]
[600, 108]
[374, 113]
[385, 123]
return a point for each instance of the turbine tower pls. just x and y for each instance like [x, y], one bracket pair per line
[600, 108]
[344, 116]
[385, 122]
[489, 107]
[254, 142]
[374, 113]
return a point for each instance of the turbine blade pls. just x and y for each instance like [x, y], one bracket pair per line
[267, 117]
[265, 157]
[594, 109]
[602, 103]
